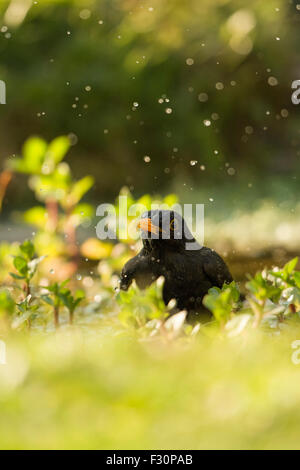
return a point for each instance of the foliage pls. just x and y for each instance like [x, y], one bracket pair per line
[27, 312]
[60, 295]
[222, 301]
[137, 308]
[51, 180]
[272, 295]
[26, 264]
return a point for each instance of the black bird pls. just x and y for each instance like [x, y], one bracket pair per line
[170, 250]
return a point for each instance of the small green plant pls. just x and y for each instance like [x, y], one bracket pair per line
[287, 276]
[27, 312]
[138, 307]
[222, 302]
[71, 302]
[51, 180]
[54, 299]
[60, 295]
[268, 287]
[26, 265]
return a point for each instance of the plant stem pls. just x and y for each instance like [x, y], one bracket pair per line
[27, 287]
[5, 178]
[70, 232]
[52, 210]
[56, 316]
[71, 317]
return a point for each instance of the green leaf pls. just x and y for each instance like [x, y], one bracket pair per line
[27, 249]
[297, 278]
[36, 216]
[34, 151]
[65, 298]
[21, 265]
[171, 199]
[290, 266]
[58, 148]
[47, 299]
[80, 294]
[64, 283]
[83, 210]
[79, 189]
[16, 276]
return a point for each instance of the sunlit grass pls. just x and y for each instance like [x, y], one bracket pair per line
[77, 390]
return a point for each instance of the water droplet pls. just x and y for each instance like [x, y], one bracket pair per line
[147, 159]
[203, 97]
[272, 81]
[85, 14]
[169, 110]
[219, 86]
[189, 61]
[193, 162]
[249, 130]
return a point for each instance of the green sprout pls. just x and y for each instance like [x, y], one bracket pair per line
[26, 265]
[71, 302]
[27, 312]
[261, 290]
[60, 295]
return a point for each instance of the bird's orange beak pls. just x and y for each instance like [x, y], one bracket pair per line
[147, 226]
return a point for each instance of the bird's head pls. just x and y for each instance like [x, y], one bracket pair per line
[164, 228]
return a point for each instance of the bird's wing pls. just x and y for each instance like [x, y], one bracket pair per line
[216, 270]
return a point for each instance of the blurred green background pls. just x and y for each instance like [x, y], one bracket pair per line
[207, 82]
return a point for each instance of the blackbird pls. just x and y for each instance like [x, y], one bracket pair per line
[170, 250]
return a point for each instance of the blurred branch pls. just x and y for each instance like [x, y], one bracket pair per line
[5, 178]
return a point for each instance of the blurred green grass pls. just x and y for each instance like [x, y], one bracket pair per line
[94, 391]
